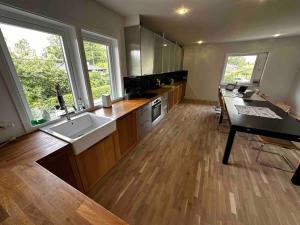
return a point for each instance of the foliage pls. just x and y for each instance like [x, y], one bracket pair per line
[99, 91]
[40, 74]
[95, 54]
[238, 69]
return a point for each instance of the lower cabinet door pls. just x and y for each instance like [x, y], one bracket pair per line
[127, 132]
[180, 90]
[61, 164]
[170, 100]
[96, 161]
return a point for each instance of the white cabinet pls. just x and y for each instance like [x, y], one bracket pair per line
[159, 41]
[172, 57]
[149, 53]
[178, 58]
[166, 56]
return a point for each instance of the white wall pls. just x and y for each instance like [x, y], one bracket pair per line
[205, 65]
[83, 14]
[295, 95]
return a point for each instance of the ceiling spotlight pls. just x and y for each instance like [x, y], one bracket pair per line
[276, 35]
[182, 10]
[165, 45]
[200, 42]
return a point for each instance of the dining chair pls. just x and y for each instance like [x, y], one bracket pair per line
[279, 143]
[285, 107]
[223, 114]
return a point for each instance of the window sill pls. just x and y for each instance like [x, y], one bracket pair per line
[242, 84]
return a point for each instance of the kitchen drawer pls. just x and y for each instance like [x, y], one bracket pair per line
[144, 128]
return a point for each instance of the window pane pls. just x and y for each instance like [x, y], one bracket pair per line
[98, 67]
[40, 64]
[239, 69]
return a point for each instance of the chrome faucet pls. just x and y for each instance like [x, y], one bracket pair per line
[61, 101]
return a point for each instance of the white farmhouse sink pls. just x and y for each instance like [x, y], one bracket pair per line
[82, 131]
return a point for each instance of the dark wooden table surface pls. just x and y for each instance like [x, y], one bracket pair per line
[287, 128]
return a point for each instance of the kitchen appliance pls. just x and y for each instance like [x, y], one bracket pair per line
[156, 111]
[242, 89]
[106, 101]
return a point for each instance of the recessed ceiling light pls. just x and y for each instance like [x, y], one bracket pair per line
[200, 42]
[165, 45]
[182, 10]
[276, 35]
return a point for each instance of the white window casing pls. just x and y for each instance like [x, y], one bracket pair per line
[72, 39]
[258, 69]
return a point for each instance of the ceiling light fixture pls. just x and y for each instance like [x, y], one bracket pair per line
[200, 42]
[182, 10]
[276, 35]
[165, 45]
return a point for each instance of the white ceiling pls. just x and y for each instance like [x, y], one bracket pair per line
[214, 20]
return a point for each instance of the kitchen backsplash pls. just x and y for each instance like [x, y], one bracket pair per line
[143, 83]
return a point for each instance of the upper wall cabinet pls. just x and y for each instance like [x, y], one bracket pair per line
[178, 57]
[166, 56]
[158, 51]
[149, 53]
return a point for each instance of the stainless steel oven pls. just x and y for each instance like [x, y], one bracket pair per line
[156, 111]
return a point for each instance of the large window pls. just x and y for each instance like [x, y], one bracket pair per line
[101, 65]
[39, 64]
[244, 69]
[37, 54]
[99, 69]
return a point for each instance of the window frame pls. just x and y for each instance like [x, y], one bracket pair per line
[27, 20]
[250, 83]
[113, 61]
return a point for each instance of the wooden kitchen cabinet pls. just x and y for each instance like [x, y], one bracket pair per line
[170, 99]
[127, 132]
[176, 94]
[183, 90]
[63, 165]
[179, 97]
[96, 161]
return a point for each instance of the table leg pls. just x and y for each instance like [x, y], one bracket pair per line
[230, 140]
[296, 177]
[221, 117]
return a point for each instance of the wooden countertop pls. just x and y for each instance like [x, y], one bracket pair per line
[31, 194]
[124, 107]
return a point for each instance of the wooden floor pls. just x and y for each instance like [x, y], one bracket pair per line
[175, 176]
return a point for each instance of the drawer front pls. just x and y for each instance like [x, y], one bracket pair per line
[144, 128]
[144, 113]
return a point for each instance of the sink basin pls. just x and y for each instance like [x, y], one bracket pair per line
[83, 130]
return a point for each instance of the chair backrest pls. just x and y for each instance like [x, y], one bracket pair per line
[285, 107]
[297, 117]
[221, 102]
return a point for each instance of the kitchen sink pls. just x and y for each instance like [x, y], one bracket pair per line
[82, 131]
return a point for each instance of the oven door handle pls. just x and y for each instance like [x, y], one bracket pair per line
[156, 103]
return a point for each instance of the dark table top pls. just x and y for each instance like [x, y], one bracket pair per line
[285, 128]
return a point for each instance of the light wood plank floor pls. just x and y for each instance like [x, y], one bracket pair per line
[175, 176]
